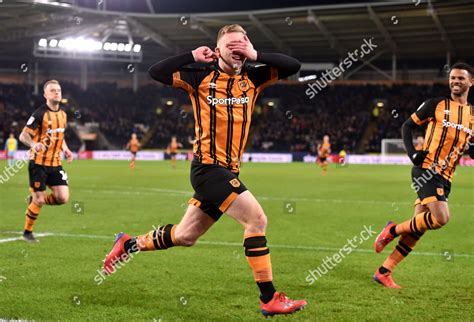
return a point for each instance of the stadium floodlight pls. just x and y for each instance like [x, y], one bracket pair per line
[53, 43]
[137, 48]
[43, 42]
[87, 48]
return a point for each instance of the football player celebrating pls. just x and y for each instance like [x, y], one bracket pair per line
[449, 123]
[223, 94]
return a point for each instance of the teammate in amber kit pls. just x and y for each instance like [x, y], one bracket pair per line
[449, 122]
[324, 150]
[44, 135]
[133, 145]
[173, 150]
[223, 95]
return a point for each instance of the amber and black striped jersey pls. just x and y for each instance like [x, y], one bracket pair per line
[448, 131]
[223, 106]
[47, 126]
[324, 150]
[134, 145]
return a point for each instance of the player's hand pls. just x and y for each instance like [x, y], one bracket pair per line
[244, 48]
[418, 157]
[39, 147]
[69, 156]
[204, 54]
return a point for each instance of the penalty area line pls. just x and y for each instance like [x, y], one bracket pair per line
[232, 244]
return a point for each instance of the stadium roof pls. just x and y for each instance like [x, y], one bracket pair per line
[325, 33]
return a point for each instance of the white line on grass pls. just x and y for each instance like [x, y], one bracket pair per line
[171, 192]
[221, 243]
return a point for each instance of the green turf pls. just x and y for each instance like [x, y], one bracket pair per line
[54, 279]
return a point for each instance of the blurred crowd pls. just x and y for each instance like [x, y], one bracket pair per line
[285, 118]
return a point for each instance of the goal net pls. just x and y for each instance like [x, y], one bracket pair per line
[392, 146]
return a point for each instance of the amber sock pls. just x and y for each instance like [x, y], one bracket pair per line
[405, 246]
[418, 224]
[161, 238]
[258, 257]
[32, 213]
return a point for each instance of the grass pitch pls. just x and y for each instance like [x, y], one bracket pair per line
[310, 217]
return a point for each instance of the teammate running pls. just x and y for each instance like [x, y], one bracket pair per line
[324, 150]
[173, 150]
[449, 123]
[44, 134]
[133, 145]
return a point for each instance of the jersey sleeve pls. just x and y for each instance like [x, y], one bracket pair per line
[189, 79]
[34, 122]
[262, 76]
[425, 112]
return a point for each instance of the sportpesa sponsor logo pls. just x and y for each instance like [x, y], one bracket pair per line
[227, 101]
[58, 130]
[457, 126]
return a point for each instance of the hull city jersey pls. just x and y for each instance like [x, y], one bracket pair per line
[324, 150]
[448, 131]
[47, 126]
[223, 106]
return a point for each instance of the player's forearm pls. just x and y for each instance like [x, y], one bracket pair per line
[286, 65]
[64, 145]
[407, 136]
[163, 70]
[26, 139]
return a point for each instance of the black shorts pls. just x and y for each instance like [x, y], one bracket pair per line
[133, 153]
[322, 160]
[42, 176]
[215, 188]
[429, 185]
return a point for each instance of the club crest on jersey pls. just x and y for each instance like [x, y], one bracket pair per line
[243, 85]
[440, 191]
[235, 183]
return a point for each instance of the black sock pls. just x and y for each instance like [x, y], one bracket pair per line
[27, 232]
[131, 246]
[393, 232]
[267, 290]
[383, 270]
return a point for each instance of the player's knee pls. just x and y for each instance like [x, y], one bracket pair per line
[259, 221]
[40, 201]
[61, 198]
[442, 218]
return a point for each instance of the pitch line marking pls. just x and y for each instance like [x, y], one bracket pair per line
[222, 243]
[171, 192]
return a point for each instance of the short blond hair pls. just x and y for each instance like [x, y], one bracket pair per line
[230, 28]
[52, 81]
